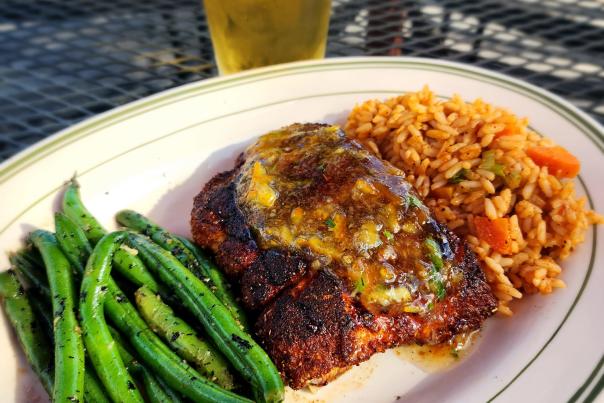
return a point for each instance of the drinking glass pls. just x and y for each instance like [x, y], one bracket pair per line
[254, 33]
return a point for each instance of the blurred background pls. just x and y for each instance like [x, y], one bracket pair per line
[63, 61]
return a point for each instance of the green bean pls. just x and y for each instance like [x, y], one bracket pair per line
[220, 286]
[69, 349]
[134, 270]
[30, 266]
[157, 391]
[75, 209]
[127, 357]
[42, 309]
[81, 223]
[73, 241]
[241, 350]
[169, 393]
[30, 334]
[183, 338]
[32, 272]
[32, 255]
[93, 389]
[163, 238]
[99, 343]
[131, 363]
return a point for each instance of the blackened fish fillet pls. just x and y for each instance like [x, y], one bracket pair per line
[335, 253]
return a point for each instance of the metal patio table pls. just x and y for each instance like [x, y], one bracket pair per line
[64, 61]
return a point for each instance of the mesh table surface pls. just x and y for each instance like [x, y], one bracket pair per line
[63, 61]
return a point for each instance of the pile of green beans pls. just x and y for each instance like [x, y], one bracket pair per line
[183, 338]
[189, 255]
[30, 314]
[132, 353]
[241, 350]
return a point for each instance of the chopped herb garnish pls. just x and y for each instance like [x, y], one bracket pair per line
[436, 280]
[389, 236]
[437, 284]
[434, 253]
[413, 201]
[456, 349]
[430, 305]
[330, 223]
[513, 179]
[489, 163]
[460, 176]
[359, 285]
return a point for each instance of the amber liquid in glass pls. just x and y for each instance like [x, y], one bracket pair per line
[254, 33]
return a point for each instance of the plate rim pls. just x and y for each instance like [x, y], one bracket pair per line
[583, 122]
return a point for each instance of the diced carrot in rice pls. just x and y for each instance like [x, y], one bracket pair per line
[497, 233]
[558, 160]
[509, 130]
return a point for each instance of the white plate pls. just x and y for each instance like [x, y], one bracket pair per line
[154, 155]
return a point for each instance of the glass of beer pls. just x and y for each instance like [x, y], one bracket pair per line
[253, 33]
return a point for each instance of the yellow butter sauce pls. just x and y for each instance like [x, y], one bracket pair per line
[327, 198]
[439, 357]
